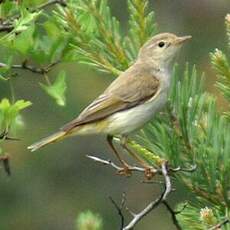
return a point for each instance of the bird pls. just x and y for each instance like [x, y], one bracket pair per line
[130, 101]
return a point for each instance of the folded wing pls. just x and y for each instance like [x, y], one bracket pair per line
[133, 87]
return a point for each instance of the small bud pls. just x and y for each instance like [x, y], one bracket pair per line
[88, 221]
[218, 54]
[207, 216]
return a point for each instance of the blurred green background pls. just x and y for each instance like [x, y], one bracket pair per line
[49, 188]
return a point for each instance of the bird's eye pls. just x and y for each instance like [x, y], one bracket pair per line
[161, 44]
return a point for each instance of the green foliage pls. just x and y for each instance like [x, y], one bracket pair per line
[10, 118]
[147, 155]
[221, 65]
[141, 26]
[57, 89]
[84, 31]
[22, 21]
[98, 46]
[9, 113]
[29, 33]
[88, 221]
[97, 39]
[193, 132]
[195, 217]
[174, 130]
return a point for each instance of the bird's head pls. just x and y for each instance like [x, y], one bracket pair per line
[162, 48]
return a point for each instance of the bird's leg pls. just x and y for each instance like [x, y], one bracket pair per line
[126, 167]
[148, 169]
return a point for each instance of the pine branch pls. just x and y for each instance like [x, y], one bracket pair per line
[222, 67]
[108, 30]
[98, 41]
[141, 26]
[98, 46]
[221, 64]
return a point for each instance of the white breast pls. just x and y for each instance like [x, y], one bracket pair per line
[129, 120]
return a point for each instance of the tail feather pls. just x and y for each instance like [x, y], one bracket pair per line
[45, 141]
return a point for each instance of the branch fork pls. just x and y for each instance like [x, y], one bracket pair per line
[163, 170]
[137, 217]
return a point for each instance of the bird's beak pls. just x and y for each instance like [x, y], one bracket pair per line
[181, 40]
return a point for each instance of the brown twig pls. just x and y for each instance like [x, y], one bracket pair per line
[4, 136]
[25, 66]
[52, 2]
[6, 28]
[5, 159]
[119, 210]
[6, 163]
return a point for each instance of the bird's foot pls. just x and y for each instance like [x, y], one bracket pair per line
[149, 173]
[125, 171]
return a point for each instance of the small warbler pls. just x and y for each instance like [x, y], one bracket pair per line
[130, 101]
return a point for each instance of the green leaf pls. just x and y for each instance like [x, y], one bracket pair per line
[25, 20]
[51, 29]
[9, 113]
[20, 24]
[24, 41]
[8, 8]
[2, 78]
[57, 89]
